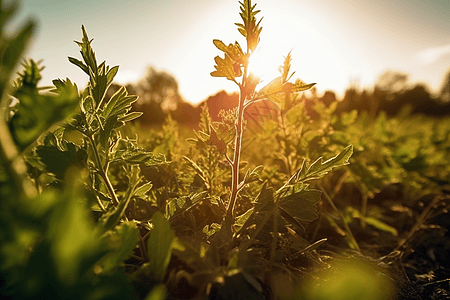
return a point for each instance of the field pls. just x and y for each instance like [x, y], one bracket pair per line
[281, 195]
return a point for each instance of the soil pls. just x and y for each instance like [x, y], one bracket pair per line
[418, 257]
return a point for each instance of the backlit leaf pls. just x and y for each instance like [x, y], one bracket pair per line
[159, 247]
[319, 168]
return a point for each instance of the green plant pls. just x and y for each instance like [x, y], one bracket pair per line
[234, 65]
[150, 216]
[50, 244]
[230, 252]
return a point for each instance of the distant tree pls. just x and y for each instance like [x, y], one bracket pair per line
[187, 115]
[392, 82]
[221, 101]
[159, 87]
[445, 89]
[328, 98]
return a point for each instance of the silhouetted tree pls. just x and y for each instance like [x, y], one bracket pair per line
[221, 101]
[445, 89]
[159, 87]
[392, 82]
[328, 98]
[187, 115]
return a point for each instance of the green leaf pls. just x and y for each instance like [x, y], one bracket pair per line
[11, 50]
[79, 64]
[159, 246]
[210, 230]
[251, 29]
[111, 74]
[378, 224]
[218, 143]
[197, 169]
[234, 51]
[119, 104]
[319, 168]
[112, 218]
[36, 112]
[143, 190]
[130, 117]
[254, 175]
[106, 130]
[141, 156]
[71, 244]
[30, 75]
[226, 67]
[276, 90]
[158, 292]
[242, 219]
[87, 53]
[58, 161]
[265, 200]
[122, 242]
[301, 205]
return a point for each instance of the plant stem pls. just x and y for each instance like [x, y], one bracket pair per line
[102, 172]
[286, 144]
[237, 149]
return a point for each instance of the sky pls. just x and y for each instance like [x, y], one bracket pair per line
[333, 43]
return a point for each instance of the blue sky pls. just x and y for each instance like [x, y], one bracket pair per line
[333, 42]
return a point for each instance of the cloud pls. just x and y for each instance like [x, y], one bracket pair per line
[433, 54]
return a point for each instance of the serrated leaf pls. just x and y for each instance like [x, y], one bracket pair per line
[226, 67]
[36, 112]
[251, 29]
[130, 117]
[143, 190]
[119, 104]
[87, 52]
[159, 247]
[319, 168]
[254, 175]
[220, 45]
[234, 51]
[79, 64]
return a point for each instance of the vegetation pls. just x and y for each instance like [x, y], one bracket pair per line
[320, 200]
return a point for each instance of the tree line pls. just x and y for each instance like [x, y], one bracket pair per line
[159, 96]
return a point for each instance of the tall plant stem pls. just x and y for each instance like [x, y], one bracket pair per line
[103, 172]
[237, 150]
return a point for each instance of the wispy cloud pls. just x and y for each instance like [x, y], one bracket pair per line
[433, 54]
